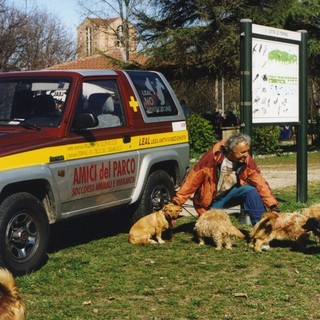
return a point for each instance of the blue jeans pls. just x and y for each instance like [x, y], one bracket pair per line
[247, 197]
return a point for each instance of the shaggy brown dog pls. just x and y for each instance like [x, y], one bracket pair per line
[294, 226]
[216, 224]
[11, 304]
[152, 225]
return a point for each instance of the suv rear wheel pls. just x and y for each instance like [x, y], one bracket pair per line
[24, 232]
[159, 189]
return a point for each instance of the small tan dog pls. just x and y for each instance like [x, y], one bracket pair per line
[216, 224]
[294, 226]
[11, 304]
[152, 225]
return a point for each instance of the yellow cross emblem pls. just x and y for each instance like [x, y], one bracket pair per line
[133, 104]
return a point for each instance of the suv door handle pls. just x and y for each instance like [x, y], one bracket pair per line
[126, 139]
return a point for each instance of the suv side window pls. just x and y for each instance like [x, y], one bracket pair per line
[101, 97]
[154, 94]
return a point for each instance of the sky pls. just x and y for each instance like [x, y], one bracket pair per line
[67, 11]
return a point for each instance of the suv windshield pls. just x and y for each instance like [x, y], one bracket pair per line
[34, 101]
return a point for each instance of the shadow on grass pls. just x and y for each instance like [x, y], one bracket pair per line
[315, 249]
[311, 248]
[88, 228]
[186, 227]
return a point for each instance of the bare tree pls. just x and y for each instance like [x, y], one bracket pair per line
[105, 9]
[48, 42]
[10, 22]
[31, 40]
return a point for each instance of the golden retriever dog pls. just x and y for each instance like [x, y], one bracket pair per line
[216, 224]
[152, 225]
[11, 304]
[295, 226]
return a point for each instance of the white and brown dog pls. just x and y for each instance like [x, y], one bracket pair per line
[216, 224]
[11, 304]
[152, 225]
[296, 226]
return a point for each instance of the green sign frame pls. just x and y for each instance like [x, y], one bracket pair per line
[273, 85]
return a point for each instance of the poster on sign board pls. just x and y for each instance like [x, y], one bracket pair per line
[275, 81]
[275, 75]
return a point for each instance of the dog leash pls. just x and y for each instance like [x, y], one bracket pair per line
[196, 217]
[191, 214]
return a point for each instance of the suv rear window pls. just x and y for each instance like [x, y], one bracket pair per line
[154, 94]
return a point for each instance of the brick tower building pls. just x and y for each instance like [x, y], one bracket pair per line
[96, 36]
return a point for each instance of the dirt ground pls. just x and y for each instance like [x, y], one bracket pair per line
[287, 175]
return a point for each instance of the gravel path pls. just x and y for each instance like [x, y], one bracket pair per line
[287, 175]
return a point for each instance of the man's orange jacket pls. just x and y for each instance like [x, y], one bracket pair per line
[203, 178]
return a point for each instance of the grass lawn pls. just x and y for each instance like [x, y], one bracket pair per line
[92, 272]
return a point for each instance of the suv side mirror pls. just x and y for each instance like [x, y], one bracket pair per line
[84, 121]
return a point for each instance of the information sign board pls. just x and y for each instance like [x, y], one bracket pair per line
[275, 75]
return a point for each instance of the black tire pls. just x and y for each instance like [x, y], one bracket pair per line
[159, 189]
[24, 233]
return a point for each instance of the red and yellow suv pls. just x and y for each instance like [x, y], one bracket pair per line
[76, 142]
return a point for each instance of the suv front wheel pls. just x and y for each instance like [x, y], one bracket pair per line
[158, 190]
[24, 232]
